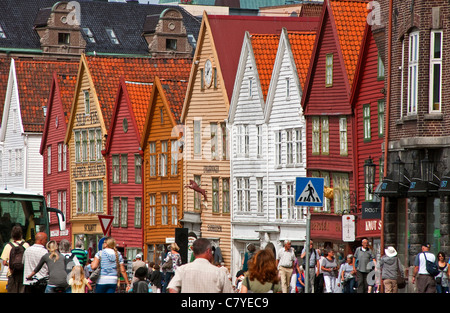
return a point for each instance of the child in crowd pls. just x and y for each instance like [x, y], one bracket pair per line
[78, 281]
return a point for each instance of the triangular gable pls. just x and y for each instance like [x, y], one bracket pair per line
[62, 87]
[11, 91]
[227, 45]
[136, 96]
[347, 19]
[299, 46]
[158, 90]
[5, 63]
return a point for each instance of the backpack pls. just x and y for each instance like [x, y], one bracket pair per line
[16, 257]
[432, 267]
[250, 291]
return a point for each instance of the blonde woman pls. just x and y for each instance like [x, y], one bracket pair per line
[173, 261]
[111, 266]
[57, 275]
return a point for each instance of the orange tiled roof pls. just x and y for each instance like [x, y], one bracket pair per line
[34, 78]
[139, 94]
[265, 48]
[175, 93]
[106, 73]
[66, 89]
[302, 44]
[350, 19]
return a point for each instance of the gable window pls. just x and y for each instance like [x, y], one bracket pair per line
[366, 121]
[250, 87]
[112, 36]
[152, 156]
[124, 167]
[90, 36]
[343, 135]
[174, 152]
[278, 145]
[243, 140]
[171, 44]
[115, 169]
[259, 140]
[49, 160]
[87, 105]
[163, 159]
[413, 72]
[84, 145]
[325, 135]
[289, 147]
[288, 88]
[435, 70]
[315, 135]
[98, 135]
[381, 118]
[329, 70]
[77, 146]
[137, 169]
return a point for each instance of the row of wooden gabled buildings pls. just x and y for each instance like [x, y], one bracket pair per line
[268, 100]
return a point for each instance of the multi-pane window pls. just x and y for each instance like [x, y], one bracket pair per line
[62, 157]
[112, 36]
[214, 143]
[298, 146]
[243, 140]
[124, 168]
[381, 118]
[315, 135]
[152, 210]
[225, 151]
[197, 137]
[62, 201]
[116, 211]
[413, 72]
[124, 212]
[164, 209]
[152, 157]
[366, 122]
[174, 152]
[259, 140]
[325, 135]
[99, 143]
[137, 169]
[278, 150]
[289, 147]
[343, 135]
[89, 196]
[260, 194]
[278, 201]
[163, 159]
[93, 197]
[92, 145]
[115, 169]
[329, 70]
[341, 193]
[226, 195]
[436, 70]
[215, 195]
[243, 194]
[84, 145]
[137, 212]
[197, 195]
[290, 199]
[174, 208]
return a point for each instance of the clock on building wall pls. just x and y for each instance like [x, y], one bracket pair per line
[208, 72]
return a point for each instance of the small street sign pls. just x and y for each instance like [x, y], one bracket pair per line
[309, 191]
[105, 223]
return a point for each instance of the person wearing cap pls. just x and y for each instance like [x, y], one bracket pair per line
[425, 282]
[137, 264]
[389, 265]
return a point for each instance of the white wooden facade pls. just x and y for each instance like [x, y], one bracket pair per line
[262, 173]
[21, 164]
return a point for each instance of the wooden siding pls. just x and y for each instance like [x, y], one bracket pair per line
[124, 143]
[157, 185]
[209, 105]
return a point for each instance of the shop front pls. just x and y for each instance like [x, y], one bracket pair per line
[89, 232]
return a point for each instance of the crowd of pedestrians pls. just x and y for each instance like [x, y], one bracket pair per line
[52, 267]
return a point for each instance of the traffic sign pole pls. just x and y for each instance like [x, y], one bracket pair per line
[307, 257]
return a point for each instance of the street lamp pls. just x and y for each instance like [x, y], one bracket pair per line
[369, 174]
[426, 168]
[398, 168]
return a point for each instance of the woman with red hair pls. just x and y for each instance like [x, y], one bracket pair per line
[262, 274]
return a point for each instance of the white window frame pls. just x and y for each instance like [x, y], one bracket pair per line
[152, 210]
[343, 138]
[413, 73]
[435, 61]
[164, 208]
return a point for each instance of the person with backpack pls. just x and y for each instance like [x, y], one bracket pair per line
[425, 280]
[12, 257]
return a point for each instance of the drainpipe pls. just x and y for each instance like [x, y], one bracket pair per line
[386, 135]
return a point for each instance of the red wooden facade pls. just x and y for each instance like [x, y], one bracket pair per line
[368, 93]
[327, 104]
[124, 165]
[55, 153]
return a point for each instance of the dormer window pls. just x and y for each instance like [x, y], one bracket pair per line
[63, 38]
[171, 44]
[2, 33]
[87, 31]
[112, 36]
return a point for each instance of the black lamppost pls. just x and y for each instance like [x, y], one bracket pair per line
[369, 174]
[398, 169]
[426, 168]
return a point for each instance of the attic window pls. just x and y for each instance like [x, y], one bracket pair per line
[112, 36]
[87, 31]
[2, 33]
[171, 44]
[63, 38]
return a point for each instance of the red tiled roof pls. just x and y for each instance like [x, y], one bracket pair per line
[34, 78]
[106, 73]
[229, 43]
[175, 91]
[139, 94]
[302, 44]
[265, 50]
[350, 17]
[66, 89]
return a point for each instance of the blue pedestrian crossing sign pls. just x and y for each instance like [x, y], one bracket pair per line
[309, 191]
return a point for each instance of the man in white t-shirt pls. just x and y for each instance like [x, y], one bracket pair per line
[425, 281]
